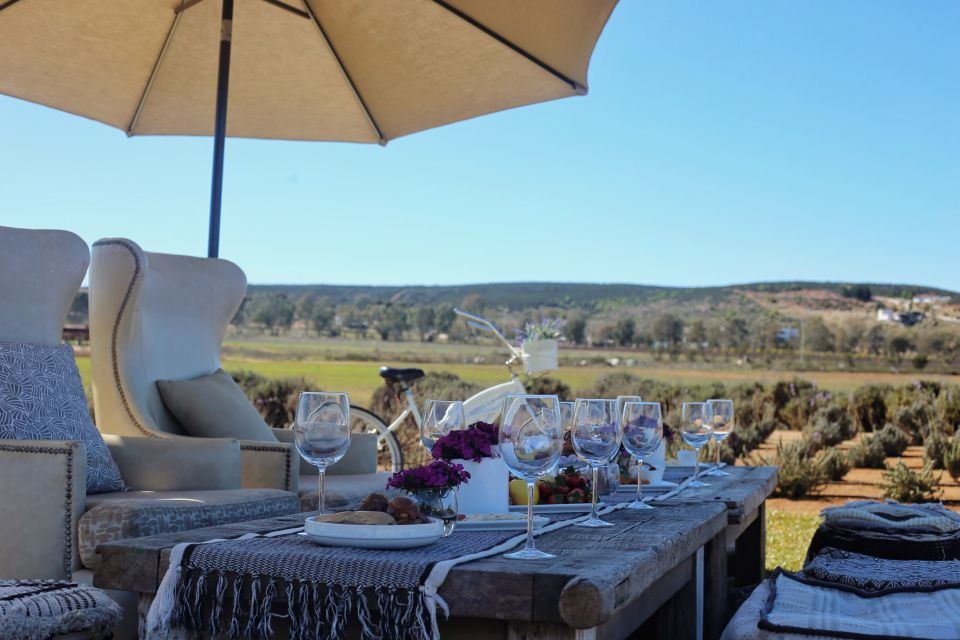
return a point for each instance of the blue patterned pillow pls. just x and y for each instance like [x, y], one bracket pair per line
[41, 398]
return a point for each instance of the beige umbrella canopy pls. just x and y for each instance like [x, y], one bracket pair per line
[337, 70]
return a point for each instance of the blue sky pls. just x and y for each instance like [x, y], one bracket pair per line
[720, 143]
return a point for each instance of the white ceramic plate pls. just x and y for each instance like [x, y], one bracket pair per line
[374, 536]
[505, 522]
[578, 507]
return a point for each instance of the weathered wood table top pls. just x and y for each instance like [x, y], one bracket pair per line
[598, 572]
[743, 491]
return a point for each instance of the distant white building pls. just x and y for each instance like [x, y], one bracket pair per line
[887, 315]
[930, 298]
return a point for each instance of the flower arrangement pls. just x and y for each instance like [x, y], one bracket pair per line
[476, 442]
[546, 329]
[439, 474]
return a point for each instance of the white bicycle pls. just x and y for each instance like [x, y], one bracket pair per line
[483, 406]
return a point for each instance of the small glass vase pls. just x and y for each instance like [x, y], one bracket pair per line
[440, 504]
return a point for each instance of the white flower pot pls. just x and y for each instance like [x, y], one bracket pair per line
[540, 355]
[658, 460]
[487, 491]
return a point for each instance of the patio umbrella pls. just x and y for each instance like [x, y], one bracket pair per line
[337, 70]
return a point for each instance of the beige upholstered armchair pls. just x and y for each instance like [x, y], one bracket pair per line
[50, 525]
[155, 316]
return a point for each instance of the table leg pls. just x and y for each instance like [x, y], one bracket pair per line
[751, 551]
[715, 587]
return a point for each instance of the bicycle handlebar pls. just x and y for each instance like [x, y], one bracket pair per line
[483, 324]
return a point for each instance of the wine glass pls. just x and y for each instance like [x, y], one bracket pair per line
[530, 444]
[322, 428]
[695, 428]
[440, 417]
[722, 414]
[642, 427]
[596, 439]
[622, 400]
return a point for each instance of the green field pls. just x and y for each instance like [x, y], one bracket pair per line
[351, 366]
[788, 536]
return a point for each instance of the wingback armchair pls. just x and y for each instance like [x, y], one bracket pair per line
[155, 316]
[49, 525]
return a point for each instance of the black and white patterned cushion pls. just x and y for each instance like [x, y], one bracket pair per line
[42, 398]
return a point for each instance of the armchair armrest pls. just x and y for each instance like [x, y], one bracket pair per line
[361, 457]
[44, 489]
[269, 465]
[176, 463]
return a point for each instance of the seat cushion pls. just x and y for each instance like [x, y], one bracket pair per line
[118, 516]
[214, 406]
[42, 398]
[342, 491]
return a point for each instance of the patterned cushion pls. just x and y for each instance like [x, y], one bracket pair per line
[41, 398]
[133, 514]
[41, 609]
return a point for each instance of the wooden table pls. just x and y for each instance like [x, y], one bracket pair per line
[638, 578]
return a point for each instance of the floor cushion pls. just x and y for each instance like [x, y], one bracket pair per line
[118, 516]
[41, 609]
[42, 398]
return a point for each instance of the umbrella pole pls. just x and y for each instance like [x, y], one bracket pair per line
[220, 128]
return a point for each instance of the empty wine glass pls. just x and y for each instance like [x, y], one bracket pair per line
[695, 428]
[530, 444]
[642, 427]
[440, 417]
[322, 428]
[622, 400]
[722, 423]
[595, 435]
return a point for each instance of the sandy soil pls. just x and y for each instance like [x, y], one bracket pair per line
[857, 484]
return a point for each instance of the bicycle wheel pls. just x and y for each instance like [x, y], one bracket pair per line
[389, 454]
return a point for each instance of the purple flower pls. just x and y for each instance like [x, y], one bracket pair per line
[439, 474]
[476, 442]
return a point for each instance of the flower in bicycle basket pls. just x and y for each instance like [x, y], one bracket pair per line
[476, 442]
[546, 329]
[439, 474]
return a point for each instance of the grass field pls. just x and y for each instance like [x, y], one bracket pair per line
[351, 366]
[788, 536]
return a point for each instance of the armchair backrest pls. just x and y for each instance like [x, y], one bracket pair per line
[154, 316]
[40, 274]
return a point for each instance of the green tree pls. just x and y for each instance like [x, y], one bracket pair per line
[577, 328]
[272, 310]
[668, 331]
[735, 333]
[444, 317]
[474, 303]
[624, 332]
[875, 339]
[897, 345]
[817, 336]
[322, 316]
[697, 333]
[390, 321]
[424, 319]
[303, 310]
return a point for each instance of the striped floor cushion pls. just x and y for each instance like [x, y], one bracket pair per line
[41, 609]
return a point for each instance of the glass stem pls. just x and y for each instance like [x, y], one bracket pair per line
[718, 456]
[696, 465]
[594, 491]
[321, 497]
[639, 478]
[530, 515]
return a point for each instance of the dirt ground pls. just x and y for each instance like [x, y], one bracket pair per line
[857, 484]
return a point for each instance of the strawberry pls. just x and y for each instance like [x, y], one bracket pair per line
[576, 496]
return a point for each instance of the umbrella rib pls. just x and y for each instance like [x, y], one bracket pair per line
[156, 68]
[346, 74]
[576, 86]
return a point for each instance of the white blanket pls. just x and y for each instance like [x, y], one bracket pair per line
[798, 607]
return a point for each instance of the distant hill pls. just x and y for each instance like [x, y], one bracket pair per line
[524, 295]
